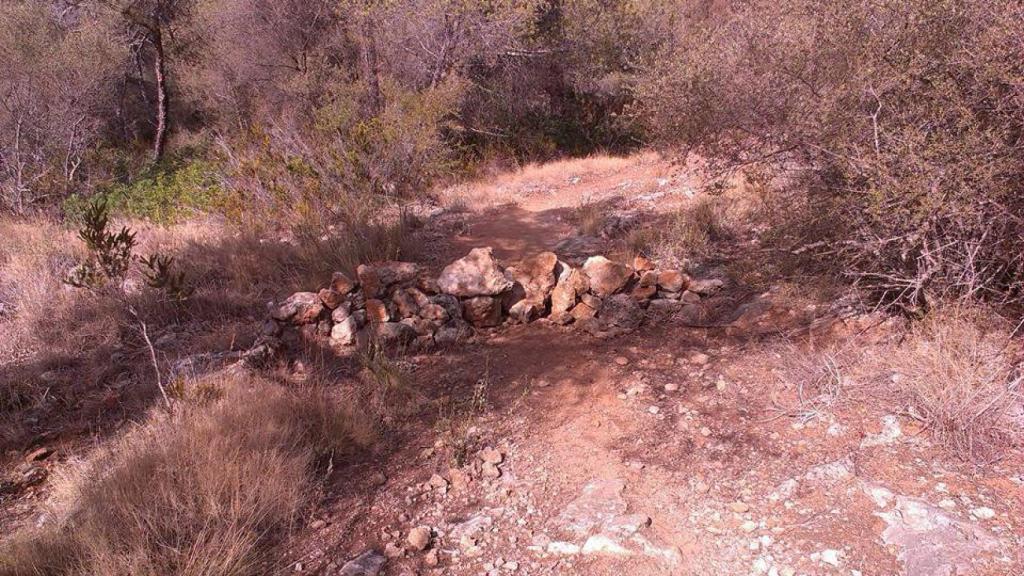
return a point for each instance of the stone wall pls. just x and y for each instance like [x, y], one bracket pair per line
[397, 303]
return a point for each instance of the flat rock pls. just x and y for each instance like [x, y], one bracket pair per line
[394, 333]
[600, 502]
[368, 563]
[299, 308]
[933, 543]
[672, 280]
[378, 277]
[476, 274]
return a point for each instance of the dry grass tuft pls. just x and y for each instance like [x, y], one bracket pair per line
[589, 217]
[690, 233]
[209, 490]
[957, 375]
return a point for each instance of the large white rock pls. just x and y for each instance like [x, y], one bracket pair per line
[606, 277]
[476, 274]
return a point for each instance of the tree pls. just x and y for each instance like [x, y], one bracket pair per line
[149, 26]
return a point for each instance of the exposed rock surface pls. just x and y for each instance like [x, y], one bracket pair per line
[606, 277]
[476, 274]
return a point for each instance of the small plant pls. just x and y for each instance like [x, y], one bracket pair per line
[110, 253]
[160, 274]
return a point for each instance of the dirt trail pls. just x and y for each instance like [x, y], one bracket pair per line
[662, 452]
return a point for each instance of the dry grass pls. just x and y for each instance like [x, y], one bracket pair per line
[589, 217]
[956, 373]
[209, 490]
[688, 234]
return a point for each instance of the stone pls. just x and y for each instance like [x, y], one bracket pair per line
[368, 563]
[421, 326]
[377, 311]
[582, 311]
[891, 432]
[526, 311]
[642, 264]
[490, 470]
[600, 502]
[317, 524]
[454, 331]
[492, 455]
[341, 283]
[606, 277]
[699, 358]
[983, 513]
[601, 544]
[378, 277]
[591, 300]
[568, 289]
[482, 311]
[394, 333]
[299, 308]
[434, 312]
[408, 301]
[620, 313]
[469, 532]
[330, 298]
[563, 548]
[341, 313]
[688, 297]
[476, 274]
[739, 507]
[832, 557]
[419, 538]
[537, 275]
[430, 558]
[931, 542]
[450, 304]
[646, 287]
[459, 478]
[438, 481]
[392, 550]
[705, 287]
[344, 333]
[672, 280]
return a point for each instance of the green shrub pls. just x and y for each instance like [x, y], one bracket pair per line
[164, 193]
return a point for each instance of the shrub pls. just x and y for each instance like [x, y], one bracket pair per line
[163, 193]
[178, 496]
[897, 126]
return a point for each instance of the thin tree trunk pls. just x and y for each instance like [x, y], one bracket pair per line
[162, 102]
[370, 68]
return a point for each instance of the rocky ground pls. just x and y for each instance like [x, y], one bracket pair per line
[675, 448]
[671, 450]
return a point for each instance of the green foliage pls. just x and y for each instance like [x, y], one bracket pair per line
[160, 274]
[110, 253]
[164, 193]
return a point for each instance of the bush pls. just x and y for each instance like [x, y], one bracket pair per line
[178, 496]
[897, 125]
[164, 193]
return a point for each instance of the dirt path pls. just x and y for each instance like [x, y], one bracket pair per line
[660, 452]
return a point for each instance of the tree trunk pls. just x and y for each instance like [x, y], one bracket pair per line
[162, 102]
[370, 69]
